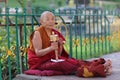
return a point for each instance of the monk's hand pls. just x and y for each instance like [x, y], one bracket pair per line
[54, 46]
[60, 41]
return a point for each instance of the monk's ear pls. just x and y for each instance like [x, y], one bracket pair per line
[41, 21]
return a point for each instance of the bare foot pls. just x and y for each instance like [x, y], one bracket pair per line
[109, 70]
[108, 67]
[107, 63]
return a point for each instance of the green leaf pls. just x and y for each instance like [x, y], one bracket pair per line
[0, 38]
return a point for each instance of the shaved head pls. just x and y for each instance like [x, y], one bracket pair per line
[47, 19]
[44, 14]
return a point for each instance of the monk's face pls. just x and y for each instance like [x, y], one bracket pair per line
[48, 20]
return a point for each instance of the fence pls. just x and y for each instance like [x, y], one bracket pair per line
[89, 33]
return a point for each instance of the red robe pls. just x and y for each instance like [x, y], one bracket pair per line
[43, 65]
[91, 68]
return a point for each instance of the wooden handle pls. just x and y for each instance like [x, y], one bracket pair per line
[56, 54]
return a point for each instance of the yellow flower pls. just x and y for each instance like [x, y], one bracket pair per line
[102, 38]
[85, 41]
[22, 48]
[94, 39]
[4, 57]
[9, 52]
[76, 42]
[108, 38]
[25, 50]
[13, 48]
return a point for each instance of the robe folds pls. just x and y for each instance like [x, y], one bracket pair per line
[93, 68]
[45, 67]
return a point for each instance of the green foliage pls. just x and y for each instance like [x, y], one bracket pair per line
[40, 9]
[43, 3]
[3, 49]
[22, 3]
[4, 63]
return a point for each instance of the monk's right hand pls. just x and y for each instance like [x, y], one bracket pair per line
[54, 45]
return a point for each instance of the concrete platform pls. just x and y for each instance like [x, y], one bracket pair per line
[115, 58]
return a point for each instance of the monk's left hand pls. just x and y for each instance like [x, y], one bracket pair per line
[60, 41]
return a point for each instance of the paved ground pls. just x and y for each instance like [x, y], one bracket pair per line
[115, 57]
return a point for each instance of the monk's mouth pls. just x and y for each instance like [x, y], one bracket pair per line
[51, 25]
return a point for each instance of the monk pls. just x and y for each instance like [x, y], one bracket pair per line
[42, 50]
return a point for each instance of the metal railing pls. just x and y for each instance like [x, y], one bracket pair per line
[88, 33]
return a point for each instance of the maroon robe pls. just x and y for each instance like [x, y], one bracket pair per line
[44, 66]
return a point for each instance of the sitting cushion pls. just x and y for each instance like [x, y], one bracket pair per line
[43, 73]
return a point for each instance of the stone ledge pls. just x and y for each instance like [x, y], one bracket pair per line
[27, 77]
[115, 76]
[115, 57]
